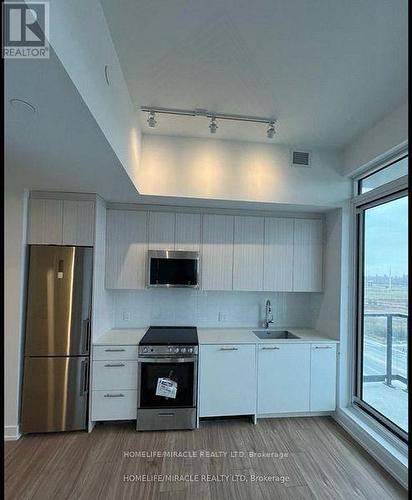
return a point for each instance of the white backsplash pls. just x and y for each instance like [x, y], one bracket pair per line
[139, 308]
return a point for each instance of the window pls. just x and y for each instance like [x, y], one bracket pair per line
[381, 387]
[390, 172]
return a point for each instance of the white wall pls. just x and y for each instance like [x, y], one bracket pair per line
[200, 308]
[328, 320]
[82, 41]
[102, 298]
[14, 284]
[231, 170]
[380, 140]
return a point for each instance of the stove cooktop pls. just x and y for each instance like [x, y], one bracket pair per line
[170, 335]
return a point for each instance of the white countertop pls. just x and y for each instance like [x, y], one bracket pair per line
[132, 336]
[121, 336]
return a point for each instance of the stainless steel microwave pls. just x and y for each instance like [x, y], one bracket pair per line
[173, 269]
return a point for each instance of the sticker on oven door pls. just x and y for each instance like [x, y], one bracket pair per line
[166, 388]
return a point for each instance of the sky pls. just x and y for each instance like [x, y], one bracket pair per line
[386, 238]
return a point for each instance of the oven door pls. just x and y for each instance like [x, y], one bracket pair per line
[183, 371]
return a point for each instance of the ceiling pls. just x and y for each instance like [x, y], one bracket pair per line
[325, 70]
[60, 147]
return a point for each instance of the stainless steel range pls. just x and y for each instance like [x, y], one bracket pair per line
[167, 378]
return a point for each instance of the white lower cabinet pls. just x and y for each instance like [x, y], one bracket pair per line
[114, 405]
[114, 383]
[283, 378]
[227, 380]
[323, 377]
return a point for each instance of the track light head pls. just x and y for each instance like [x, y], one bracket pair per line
[151, 119]
[213, 125]
[271, 130]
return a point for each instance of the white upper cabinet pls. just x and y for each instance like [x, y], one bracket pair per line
[162, 230]
[126, 249]
[217, 252]
[78, 223]
[61, 222]
[278, 255]
[308, 255]
[187, 233]
[248, 253]
[45, 222]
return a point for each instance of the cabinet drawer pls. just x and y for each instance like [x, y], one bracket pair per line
[114, 405]
[114, 352]
[119, 374]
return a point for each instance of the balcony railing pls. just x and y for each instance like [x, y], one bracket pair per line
[389, 376]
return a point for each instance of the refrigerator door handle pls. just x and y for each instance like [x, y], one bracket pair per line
[84, 377]
[86, 335]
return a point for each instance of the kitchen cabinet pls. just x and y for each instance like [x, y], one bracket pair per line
[114, 383]
[278, 255]
[323, 377]
[45, 222]
[61, 222]
[78, 223]
[217, 252]
[126, 249]
[227, 380]
[283, 378]
[187, 232]
[162, 230]
[248, 253]
[308, 255]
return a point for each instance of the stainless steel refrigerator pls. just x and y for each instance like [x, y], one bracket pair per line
[56, 362]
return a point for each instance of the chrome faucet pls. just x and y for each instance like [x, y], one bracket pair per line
[268, 314]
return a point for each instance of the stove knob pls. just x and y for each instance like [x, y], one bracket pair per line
[183, 350]
[170, 349]
[145, 349]
[176, 349]
[190, 350]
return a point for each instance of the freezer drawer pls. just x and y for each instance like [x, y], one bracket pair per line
[55, 394]
[114, 405]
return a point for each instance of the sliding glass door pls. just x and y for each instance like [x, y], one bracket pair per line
[382, 305]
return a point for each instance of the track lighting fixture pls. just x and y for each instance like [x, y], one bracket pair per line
[271, 130]
[151, 120]
[213, 125]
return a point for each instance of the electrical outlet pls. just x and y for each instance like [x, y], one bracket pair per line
[222, 316]
[126, 315]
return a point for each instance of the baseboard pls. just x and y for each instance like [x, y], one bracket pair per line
[386, 455]
[295, 414]
[11, 433]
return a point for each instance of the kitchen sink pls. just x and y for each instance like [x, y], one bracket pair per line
[275, 334]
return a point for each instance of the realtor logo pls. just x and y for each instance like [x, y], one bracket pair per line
[25, 30]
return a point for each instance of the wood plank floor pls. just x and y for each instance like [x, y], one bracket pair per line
[320, 460]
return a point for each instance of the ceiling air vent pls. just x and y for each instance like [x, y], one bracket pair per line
[300, 158]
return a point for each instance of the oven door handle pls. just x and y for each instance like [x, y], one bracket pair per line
[149, 359]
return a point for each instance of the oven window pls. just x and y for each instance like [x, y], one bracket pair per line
[173, 272]
[181, 373]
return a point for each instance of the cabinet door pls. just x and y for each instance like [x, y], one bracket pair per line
[126, 249]
[78, 223]
[187, 235]
[323, 377]
[217, 252]
[227, 383]
[283, 378]
[278, 255]
[248, 253]
[45, 222]
[308, 256]
[161, 231]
